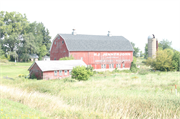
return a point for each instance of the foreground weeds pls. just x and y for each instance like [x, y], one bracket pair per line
[123, 95]
[106, 95]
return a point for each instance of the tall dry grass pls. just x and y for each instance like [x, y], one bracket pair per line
[123, 96]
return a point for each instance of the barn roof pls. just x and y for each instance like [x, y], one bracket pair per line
[96, 43]
[58, 64]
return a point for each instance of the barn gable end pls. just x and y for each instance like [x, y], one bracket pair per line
[35, 70]
[58, 48]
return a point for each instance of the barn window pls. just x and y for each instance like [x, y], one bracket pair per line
[60, 72]
[112, 65]
[54, 58]
[81, 58]
[104, 66]
[119, 65]
[69, 72]
[123, 65]
[65, 72]
[109, 65]
[55, 73]
[55, 42]
[58, 37]
[62, 42]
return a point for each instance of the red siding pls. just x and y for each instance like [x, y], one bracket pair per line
[97, 58]
[58, 49]
[35, 70]
[50, 75]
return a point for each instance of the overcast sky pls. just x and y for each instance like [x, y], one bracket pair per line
[133, 19]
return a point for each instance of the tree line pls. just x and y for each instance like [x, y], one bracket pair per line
[167, 58]
[19, 38]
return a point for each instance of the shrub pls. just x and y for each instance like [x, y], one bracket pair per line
[133, 68]
[67, 58]
[33, 76]
[81, 73]
[90, 70]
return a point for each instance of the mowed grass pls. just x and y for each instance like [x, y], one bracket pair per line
[12, 69]
[107, 95]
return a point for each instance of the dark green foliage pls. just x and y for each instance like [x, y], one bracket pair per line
[2, 54]
[18, 36]
[24, 57]
[33, 76]
[81, 73]
[166, 60]
[176, 60]
[165, 44]
[146, 51]
[90, 70]
[133, 68]
[141, 54]
[136, 50]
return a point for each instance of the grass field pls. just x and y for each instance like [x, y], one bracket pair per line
[107, 95]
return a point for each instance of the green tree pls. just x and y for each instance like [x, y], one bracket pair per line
[41, 35]
[141, 54]
[81, 73]
[146, 51]
[18, 35]
[2, 55]
[162, 62]
[176, 60]
[165, 44]
[136, 50]
[43, 51]
[12, 26]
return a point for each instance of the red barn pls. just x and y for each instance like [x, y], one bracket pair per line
[53, 69]
[101, 52]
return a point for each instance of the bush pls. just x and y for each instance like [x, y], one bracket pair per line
[90, 70]
[133, 68]
[81, 73]
[67, 58]
[33, 76]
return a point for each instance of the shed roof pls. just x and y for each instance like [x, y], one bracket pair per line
[58, 64]
[96, 43]
[33, 56]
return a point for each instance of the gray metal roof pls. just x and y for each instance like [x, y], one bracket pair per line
[58, 64]
[96, 43]
[33, 56]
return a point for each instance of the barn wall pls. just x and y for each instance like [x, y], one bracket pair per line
[58, 49]
[35, 70]
[95, 59]
[50, 75]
